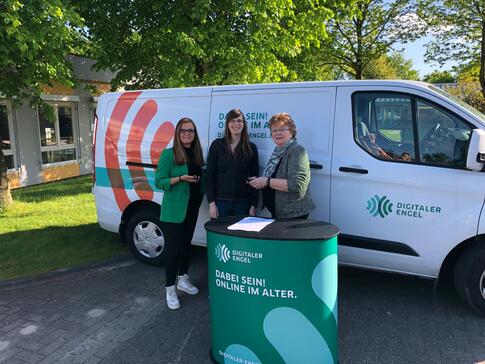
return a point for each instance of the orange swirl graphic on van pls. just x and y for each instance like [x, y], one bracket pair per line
[133, 149]
[112, 136]
[162, 137]
[119, 180]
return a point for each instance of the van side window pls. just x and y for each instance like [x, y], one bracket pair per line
[443, 137]
[384, 125]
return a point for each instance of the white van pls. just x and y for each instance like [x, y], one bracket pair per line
[396, 166]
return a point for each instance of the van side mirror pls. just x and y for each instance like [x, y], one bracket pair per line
[476, 150]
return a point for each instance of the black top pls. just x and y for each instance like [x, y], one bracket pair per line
[269, 195]
[281, 229]
[227, 176]
[193, 170]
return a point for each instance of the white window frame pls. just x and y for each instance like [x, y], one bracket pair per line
[13, 143]
[56, 104]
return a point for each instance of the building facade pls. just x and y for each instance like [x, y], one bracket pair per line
[41, 149]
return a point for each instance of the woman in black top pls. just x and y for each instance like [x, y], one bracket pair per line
[231, 162]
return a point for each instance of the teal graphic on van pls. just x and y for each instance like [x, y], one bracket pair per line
[256, 121]
[379, 206]
[383, 207]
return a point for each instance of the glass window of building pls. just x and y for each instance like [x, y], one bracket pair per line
[6, 136]
[58, 133]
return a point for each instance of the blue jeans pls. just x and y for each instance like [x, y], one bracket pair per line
[233, 207]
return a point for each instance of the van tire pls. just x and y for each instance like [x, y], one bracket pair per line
[145, 238]
[469, 276]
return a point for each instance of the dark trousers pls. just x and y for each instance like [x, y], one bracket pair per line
[233, 207]
[178, 237]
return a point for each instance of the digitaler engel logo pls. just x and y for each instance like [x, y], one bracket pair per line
[222, 253]
[381, 206]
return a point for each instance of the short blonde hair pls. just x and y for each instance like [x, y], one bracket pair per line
[283, 119]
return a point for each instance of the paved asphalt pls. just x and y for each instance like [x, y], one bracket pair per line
[116, 314]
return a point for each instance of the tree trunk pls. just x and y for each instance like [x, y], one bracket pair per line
[358, 72]
[5, 196]
[482, 59]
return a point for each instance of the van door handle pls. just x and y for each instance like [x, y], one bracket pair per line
[353, 170]
[315, 165]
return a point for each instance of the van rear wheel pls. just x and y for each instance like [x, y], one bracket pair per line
[145, 238]
[469, 277]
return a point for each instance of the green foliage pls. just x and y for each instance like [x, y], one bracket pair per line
[469, 72]
[458, 28]
[404, 67]
[392, 66]
[365, 30]
[154, 43]
[36, 38]
[439, 77]
[470, 92]
[379, 69]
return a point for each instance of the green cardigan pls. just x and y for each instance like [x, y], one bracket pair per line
[175, 197]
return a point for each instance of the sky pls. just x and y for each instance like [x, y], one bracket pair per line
[415, 51]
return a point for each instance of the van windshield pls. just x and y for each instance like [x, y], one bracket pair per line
[460, 102]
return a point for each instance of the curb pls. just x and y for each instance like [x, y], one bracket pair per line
[106, 265]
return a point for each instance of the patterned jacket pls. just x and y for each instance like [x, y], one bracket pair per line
[295, 167]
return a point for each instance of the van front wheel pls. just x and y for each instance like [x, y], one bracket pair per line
[145, 238]
[469, 277]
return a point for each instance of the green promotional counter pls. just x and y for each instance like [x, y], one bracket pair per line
[273, 293]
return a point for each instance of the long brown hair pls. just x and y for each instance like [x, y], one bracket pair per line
[178, 149]
[243, 148]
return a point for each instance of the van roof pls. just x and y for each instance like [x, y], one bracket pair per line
[199, 91]
[337, 83]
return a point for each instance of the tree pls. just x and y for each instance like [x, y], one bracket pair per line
[439, 77]
[379, 69]
[458, 27]
[154, 43]
[469, 92]
[391, 66]
[366, 30]
[404, 67]
[36, 38]
[469, 72]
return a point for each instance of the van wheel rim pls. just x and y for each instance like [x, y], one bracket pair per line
[482, 284]
[148, 239]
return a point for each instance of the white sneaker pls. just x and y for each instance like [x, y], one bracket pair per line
[183, 284]
[172, 299]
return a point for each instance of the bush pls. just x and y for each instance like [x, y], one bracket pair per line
[469, 92]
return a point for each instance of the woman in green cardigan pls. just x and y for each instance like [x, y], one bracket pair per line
[178, 175]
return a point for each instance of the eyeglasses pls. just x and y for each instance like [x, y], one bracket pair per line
[279, 130]
[187, 131]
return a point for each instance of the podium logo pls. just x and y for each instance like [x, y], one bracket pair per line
[381, 206]
[222, 253]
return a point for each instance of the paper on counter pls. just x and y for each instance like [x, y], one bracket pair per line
[251, 224]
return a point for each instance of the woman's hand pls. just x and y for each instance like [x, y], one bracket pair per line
[213, 213]
[258, 182]
[189, 179]
[252, 211]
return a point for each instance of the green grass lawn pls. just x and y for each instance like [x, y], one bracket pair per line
[53, 226]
